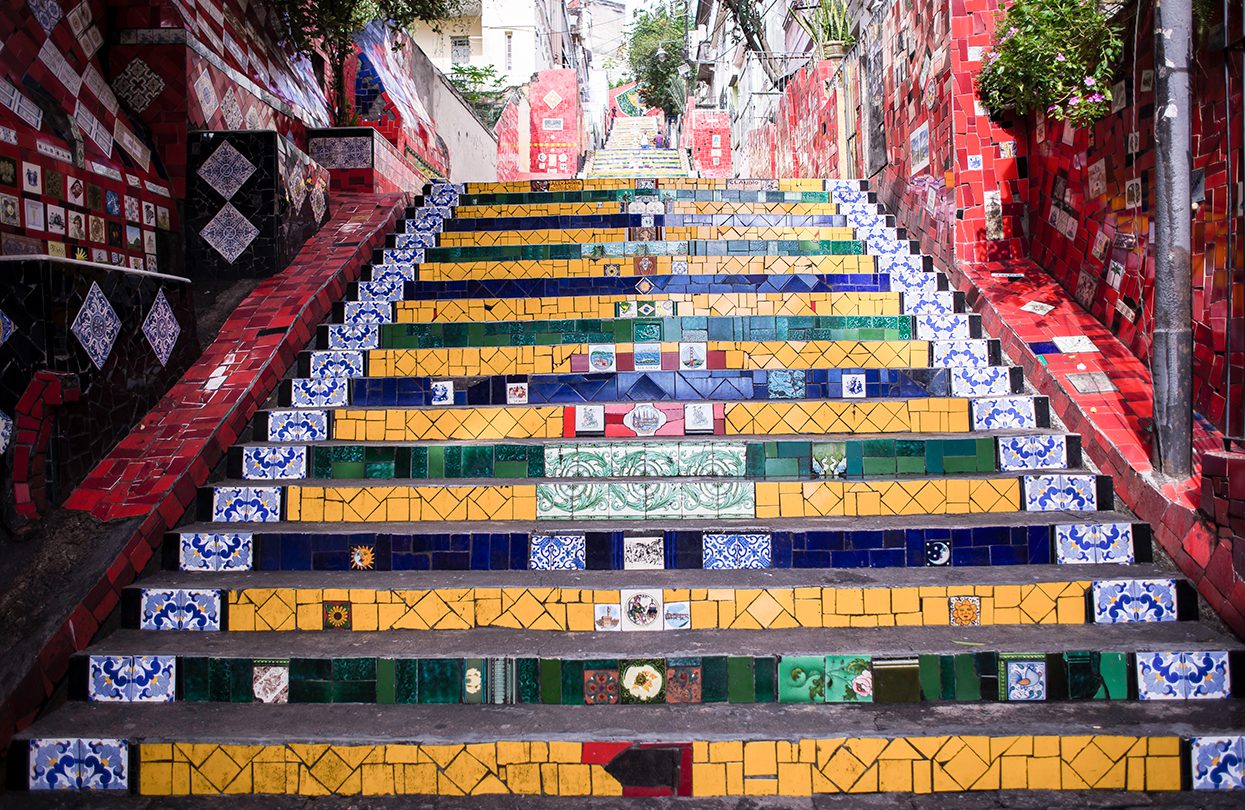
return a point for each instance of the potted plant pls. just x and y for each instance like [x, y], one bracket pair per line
[829, 24]
[1051, 56]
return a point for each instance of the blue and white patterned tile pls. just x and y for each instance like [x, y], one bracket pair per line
[337, 364]
[180, 609]
[324, 392]
[390, 273]
[96, 326]
[1217, 763]
[108, 678]
[298, 426]
[911, 280]
[557, 552]
[368, 312]
[787, 383]
[942, 326]
[246, 504]
[861, 215]
[961, 353]
[1154, 600]
[1026, 680]
[152, 679]
[849, 195]
[1082, 543]
[403, 255]
[103, 764]
[414, 240]
[387, 290]
[273, 463]
[1207, 675]
[928, 302]
[1033, 452]
[1004, 413]
[53, 764]
[878, 231]
[1053, 493]
[888, 247]
[736, 551]
[444, 194]
[1126, 601]
[353, 336]
[160, 327]
[987, 381]
[211, 551]
[1161, 676]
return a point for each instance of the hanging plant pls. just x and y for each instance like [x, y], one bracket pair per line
[1052, 56]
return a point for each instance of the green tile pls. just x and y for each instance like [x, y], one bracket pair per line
[308, 669]
[354, 691]
[194, 675]
[931, 677]
[550, 681]
[440, 680]
[802, 679]
[967, 684]
[847, 679]
[453, 462]
[311, 691]
[572, 683]
[740, 680]
[354, 669]
[764, 674]
[897, 681]
[510, 469]
[477, 462]
[714, 679]
[406, 680]
[1113, 667]
[385, 681]
[349, 469]
[436, 462]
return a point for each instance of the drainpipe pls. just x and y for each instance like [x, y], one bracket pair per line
[1171, 361]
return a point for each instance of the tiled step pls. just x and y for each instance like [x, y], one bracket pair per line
[913, 541]
[748, 418]
[619, 203]
[637, 601]
[852, 459]
[653, 499]
[628, 330]
[498, 310]
[690, 751]
[664, 355]
[1167, 662]
[650, 386]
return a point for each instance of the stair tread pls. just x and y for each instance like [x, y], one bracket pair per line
[664, 578]
[498, 642]
[431, 724]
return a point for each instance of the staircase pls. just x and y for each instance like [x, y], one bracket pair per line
[625, 153]
[648, 488]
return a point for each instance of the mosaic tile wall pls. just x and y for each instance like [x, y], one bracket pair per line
[1091, 203]
[707, 133]
[123, 338]
[548, 115]
[254, 200]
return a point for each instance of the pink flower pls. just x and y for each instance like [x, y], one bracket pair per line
[1075, 100]
[1060, 58]
[1090, 81]
[1097, 97]
[863, 685]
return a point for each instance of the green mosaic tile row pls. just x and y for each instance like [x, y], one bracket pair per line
[781, 459]
[965, 677]
[634, 330]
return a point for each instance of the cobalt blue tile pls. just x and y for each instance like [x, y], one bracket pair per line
[887, 558]
[480, 558]
[849, 559]
[499, 552]
[1008, 555]
[1044, 347]
[780, 549]
[972, 555]
[296, 553]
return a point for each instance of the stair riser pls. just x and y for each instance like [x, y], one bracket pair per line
[655, 548]
[656, 609]
[801, 678]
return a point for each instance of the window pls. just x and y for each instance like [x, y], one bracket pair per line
[460, 50]
[509, 50]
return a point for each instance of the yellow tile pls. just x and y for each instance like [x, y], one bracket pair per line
[760, 758]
